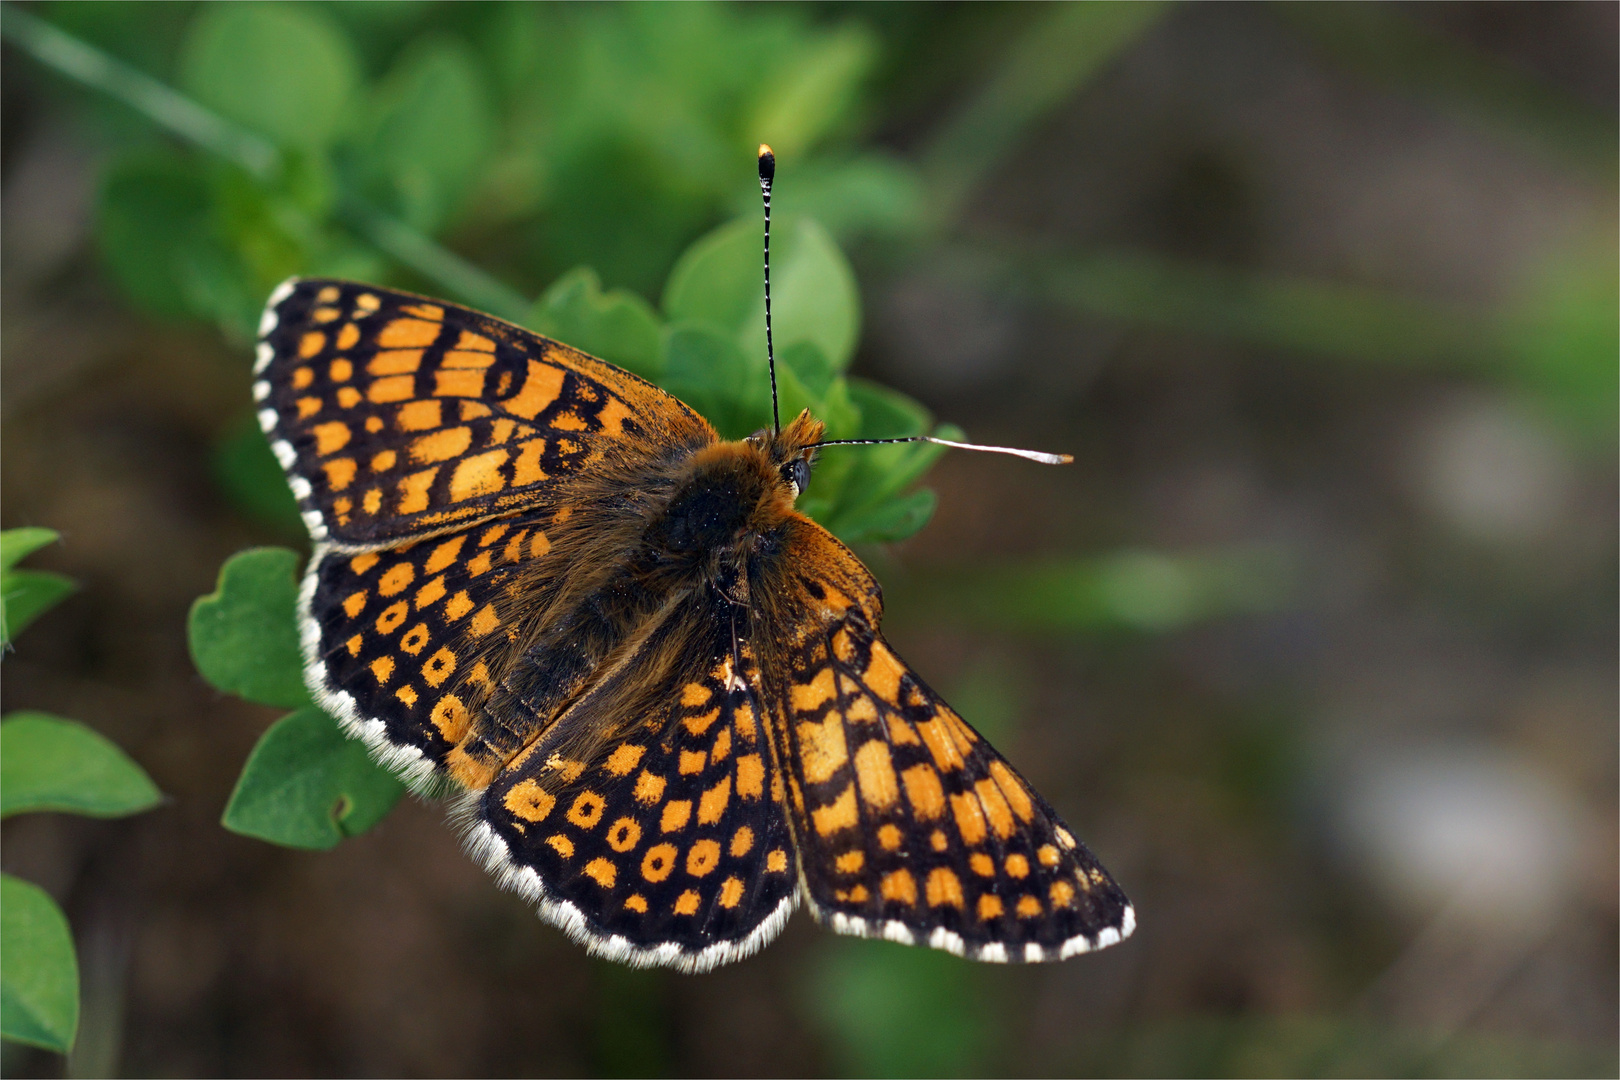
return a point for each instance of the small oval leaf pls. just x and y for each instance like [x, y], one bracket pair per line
[39, 972]
[617, 325]
[48, 763]
[244, 635]
[18, 544]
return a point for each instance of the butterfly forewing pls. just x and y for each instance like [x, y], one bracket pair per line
[397, 416]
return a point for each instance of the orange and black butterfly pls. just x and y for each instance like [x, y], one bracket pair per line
[544, 582]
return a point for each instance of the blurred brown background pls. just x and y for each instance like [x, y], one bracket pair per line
[1367, 814]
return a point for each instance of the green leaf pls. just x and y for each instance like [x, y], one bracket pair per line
[706, 369]
[25, 595]
[433, 129]
[617, 326]
[306, 785]
[810, 96]
[39, 973]
[244, 635]
[152, 210]
[893, 520]
[719, 280]
[18, 544]
[51, 764]
[251, 477]
[284, 70]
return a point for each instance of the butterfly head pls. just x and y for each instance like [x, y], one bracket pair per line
[791, 451]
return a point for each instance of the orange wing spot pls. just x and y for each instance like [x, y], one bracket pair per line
[415, 639]
[883, 674]
[458, 359]
[324, 314]
[331, 437]
[361, 563]
[658, 863]
[328, 295]
[474, 342]
[472, 410]
[393, 388]
[493, 533]
[836, 815]
[850, 861]
[676, 815]
[807, 697]
[539, 545]
[943, 888]
[478, 475]
[480, 564]
[485, 621]
[408, 334]
[458, 382]
[875, 771]
[995, 807]
[561, 845]
[383, 461]
[438, 668]
[722, 746]
[636, 903]
[969, 816]
[1017, 794]
[407, 695]
[624, 834]
[450, 717]
[373, 501]
[354, 643]
[441, 445]
[821, 748]
[308, 407]
[731, 892]
[311, 343]
[426, 311]
[302, 377]
[528, 800]
[526, 469]
[940, 745]
[857, 895]
[602, 872]
[587, 809]
[861, 710]
[430, 594]
[569, 770]
[366, 303]
[396, 579]
[1062, 894]
[687, 903]
[743, 720]
[890, 836]
[413, 491]
[750, 776]
[341, 507]
[776, 861]
[938, 840]
[1048, 855]
[348, 397]
[695, 694]
[649, 788]
[924, 792]
[348, 337]
[613, 415]
[514, 547]
[541, 387]
[1064, 837]
[990, 907]
[624, 758]
[457, 606]
[713, 803]
[354, 604]
[395, 362]
[382, 668]
[1017, 866]
[568, 421]
[480, 675]
[901, 886]
[982, 864]
[1028, 906]
[420, 415]
[703, 857]
[692, 762]
[340, 370]
[392, 617]
[445, 554]
[742, 842]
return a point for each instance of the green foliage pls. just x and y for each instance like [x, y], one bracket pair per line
[39, 974]
[47, 763]
[616, 325]
[306, 785]
[244, 635]
[25, 595]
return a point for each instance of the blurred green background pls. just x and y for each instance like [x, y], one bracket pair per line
[1315, 644]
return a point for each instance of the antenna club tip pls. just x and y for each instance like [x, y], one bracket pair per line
[1064, 459]
[767, 162]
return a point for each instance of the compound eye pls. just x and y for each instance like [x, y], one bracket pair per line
[797, 473]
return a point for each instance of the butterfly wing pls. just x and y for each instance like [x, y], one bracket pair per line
[665, 841]
[908, 825]
[397, 416]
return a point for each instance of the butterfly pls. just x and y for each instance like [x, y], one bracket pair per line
[660, 692]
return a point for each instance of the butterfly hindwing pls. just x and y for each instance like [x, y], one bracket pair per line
[397, 416]
[908, 824]
[665, 843]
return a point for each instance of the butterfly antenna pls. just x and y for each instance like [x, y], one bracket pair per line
[767, 173]
[1032, 455]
